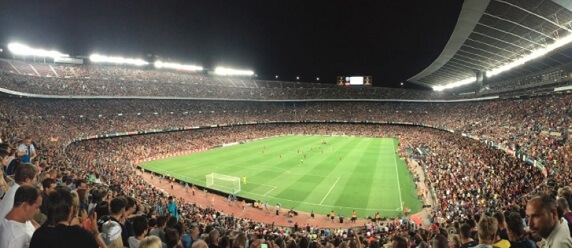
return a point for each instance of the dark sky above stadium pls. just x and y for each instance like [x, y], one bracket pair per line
[388, 40]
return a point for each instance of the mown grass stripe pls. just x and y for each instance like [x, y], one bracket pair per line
[365, 179]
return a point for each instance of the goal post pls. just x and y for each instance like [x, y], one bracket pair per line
[225, 183]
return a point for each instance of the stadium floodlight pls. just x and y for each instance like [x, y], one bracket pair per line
[160, 64]
[21, 49]
[116, 60]
[222, 71]
[518, 62]
[455, 84]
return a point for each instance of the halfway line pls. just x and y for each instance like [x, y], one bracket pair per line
[329, 191]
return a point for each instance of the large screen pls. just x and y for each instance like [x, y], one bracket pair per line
[354, 80]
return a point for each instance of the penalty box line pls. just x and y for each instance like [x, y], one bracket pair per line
[268, 185]
[329, 191]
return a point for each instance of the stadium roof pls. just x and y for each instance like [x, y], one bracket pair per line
[493, 33]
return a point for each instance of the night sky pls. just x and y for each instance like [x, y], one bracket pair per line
[388, 40]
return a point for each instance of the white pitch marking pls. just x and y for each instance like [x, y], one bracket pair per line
[397, 173]
[270, 190]
[329, 191]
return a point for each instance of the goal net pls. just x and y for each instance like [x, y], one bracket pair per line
[225, 183]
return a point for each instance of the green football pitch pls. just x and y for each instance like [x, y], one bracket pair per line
[348, 173]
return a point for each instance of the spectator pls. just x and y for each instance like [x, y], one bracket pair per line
[199, 244]
[565, 210]
[185, 237]
[454, 241]
[25, 174]
[240, 241]
[398, 242]
[80, 184]
[516, 233]
[140, 228]
[213, 238]
[172, 238]
[16, 229]
[465, 236]
[487, 231]
[224, 242]
[499, 241]
[48, 185]
[27, 150]
[57, 232]
[195, 234]
[159, 231]
[502, 233]
[4, 161]
[151, 242]
[127, 228]
[440, 241]
[10, 163]
[112, 228]
[173, 208]
[543, 220]
[160, 208]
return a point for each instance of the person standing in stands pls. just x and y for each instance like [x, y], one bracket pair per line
[25, 174]
[500, 241]
[516, 233]
[27, 150]
[140, 228]
[4, 161]
[16, 229]
[565, 209]
[49, 185]
[465, 236]
[542, 212]
[173, 207]
[487, 231]
[114, 224]
[57, 233]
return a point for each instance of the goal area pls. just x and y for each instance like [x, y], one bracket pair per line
[221, 182]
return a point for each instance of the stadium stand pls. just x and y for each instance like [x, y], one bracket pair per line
[495, 169]
[537, 126]
[113, 81]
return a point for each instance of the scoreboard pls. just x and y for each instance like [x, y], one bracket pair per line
[354, 80]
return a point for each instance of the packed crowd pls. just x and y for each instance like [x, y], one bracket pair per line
[452, 160]
[200, 86]
[537, 126]
[550, 76]
[87, 80]
[122, 204]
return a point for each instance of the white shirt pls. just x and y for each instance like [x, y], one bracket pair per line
[559, 237]
[8, 202]
[133, 242]
[24, 148]
[15, 234]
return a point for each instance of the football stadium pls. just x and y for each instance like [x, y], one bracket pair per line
[311, 168]
[148, 146]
